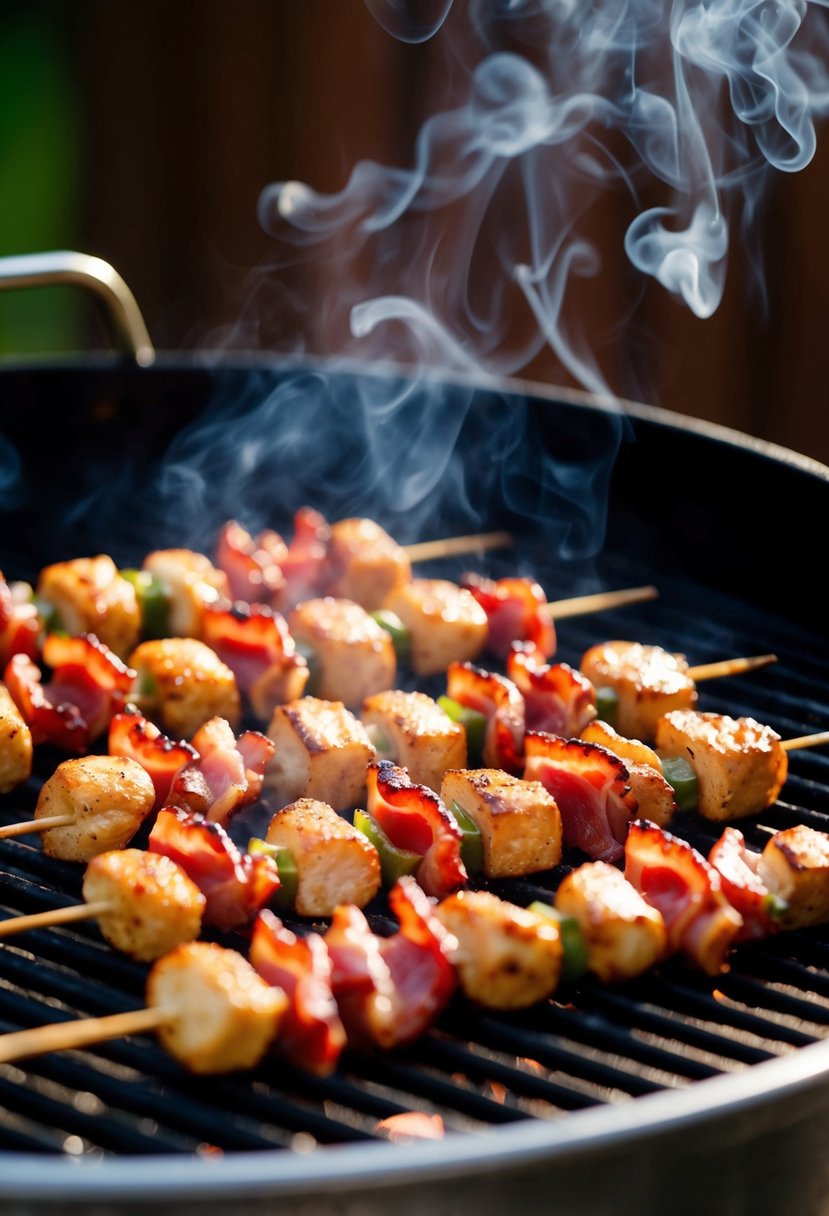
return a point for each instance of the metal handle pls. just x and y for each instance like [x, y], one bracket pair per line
[95, 275]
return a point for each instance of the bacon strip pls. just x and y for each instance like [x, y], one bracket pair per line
[591, 788]
[414, 818]
[134, 736]
[503, 706]
[253, 567]
[514, 609]
[255, 644]
[360, 978]
[19, 624]
[226, 774]
[304, 566]
[737, 867]
[557, 699]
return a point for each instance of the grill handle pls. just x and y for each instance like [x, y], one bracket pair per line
[64, 267]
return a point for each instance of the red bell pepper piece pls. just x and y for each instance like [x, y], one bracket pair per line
[134, 736]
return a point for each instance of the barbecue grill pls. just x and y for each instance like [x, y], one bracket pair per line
[674, 1089]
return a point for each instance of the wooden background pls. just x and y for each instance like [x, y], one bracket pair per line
[144, 133]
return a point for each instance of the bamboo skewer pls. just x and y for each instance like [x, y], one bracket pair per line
[53, 917]
[729, 667]
[600, 601]
[35, 825]
[64, 1036]
[791, 745]
[452, 546]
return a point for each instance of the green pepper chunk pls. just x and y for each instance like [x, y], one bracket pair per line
[285, 897]
[152, 603]
[574, 962]
[394, 862]
[775, 906]
[607, 705]
[147, 686]
[683, 780]
[312, 659]
[472, 845]
[473, 722]
[401, 636]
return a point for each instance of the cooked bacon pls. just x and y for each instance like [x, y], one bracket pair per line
[253, 567]
[235, 885]
[503, 706]
[89, 685]
[19, 623]
[312, 1035]
[743, 887]
[360, 978]
[226, 773]
[419, 959]
[304, 566]
[414, 818]
[591, 788]
[677, 880]
[134, 736]
[515, 611]
[557, 699]
[255, 644]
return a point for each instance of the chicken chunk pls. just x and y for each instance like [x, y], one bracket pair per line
[335, 863]
[183, 684]
[795, 866]
[15, 744]
[190, 582]
[89, 595]
[519, 821]
[507, 957]
[652, 791]
[222, 1015]
[445, 622]
[365, 563]
[624, 934]
[104, 799]
[648, 681]
[412, 730]
[740, 765]
[152, 905]
[322, 751]
[352, 656]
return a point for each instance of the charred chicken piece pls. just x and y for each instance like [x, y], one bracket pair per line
[351, 655]
[88, 595]
[412, 730]
[322, 752]
[794, 865]
[183, 684]
[740, 765]
[519, 821]
[106, 798]
[364, 563]
[647, 680]
[335, 863]
[190, 583]
[15, 744]
[648, 785]
[444, 621]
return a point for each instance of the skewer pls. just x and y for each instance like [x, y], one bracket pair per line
[451, 546]
[36, 825]
[729, 667]
[65, 1036]
[791, 745]
[54, 916]
[601, 601]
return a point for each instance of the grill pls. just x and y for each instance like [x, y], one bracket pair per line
[729, 1075]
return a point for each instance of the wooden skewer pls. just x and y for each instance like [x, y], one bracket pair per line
[55, 916]
[64, 1036]
[36, 825]
[729, 667]
[601, 601]
[451, 546]
[791, 745]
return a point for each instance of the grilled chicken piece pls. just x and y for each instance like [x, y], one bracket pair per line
[353, 656]
[412, 730]
[653, 793]
[648, 681]
[624, 934]
[507, 957]
[740, 765]
[15, 744]
[335, 863]
[519, 821]
[322, 751]
[190, 582]
[89, 596]
[154, 906]
[365, 563]
[444, 621]
[107, 799]
[183, 684]
[222, 1015]
[795, 867]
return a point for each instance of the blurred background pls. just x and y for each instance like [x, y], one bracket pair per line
[144, 133]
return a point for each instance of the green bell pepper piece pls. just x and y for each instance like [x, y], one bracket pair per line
[574, 963]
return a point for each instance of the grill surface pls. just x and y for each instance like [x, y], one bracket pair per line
[588, 1052]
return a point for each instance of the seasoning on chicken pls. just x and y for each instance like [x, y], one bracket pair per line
[151, 904]
[740, 765]
[15, 744]
[322, 752]
[88, 595]
[364, 563]
[647, 680]
[519, 821]
[335, 863]
[351, 656]
[254, 642]
[183, 683]
[444, 622]
[103, 799]
[652, 791]
[190, 583]
[624, 934]
[412, 731]
[516, 612]
[502, 706]
[507, 957]
[794, 865]
[221, 1015]
[676, 880]
[557, 699]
